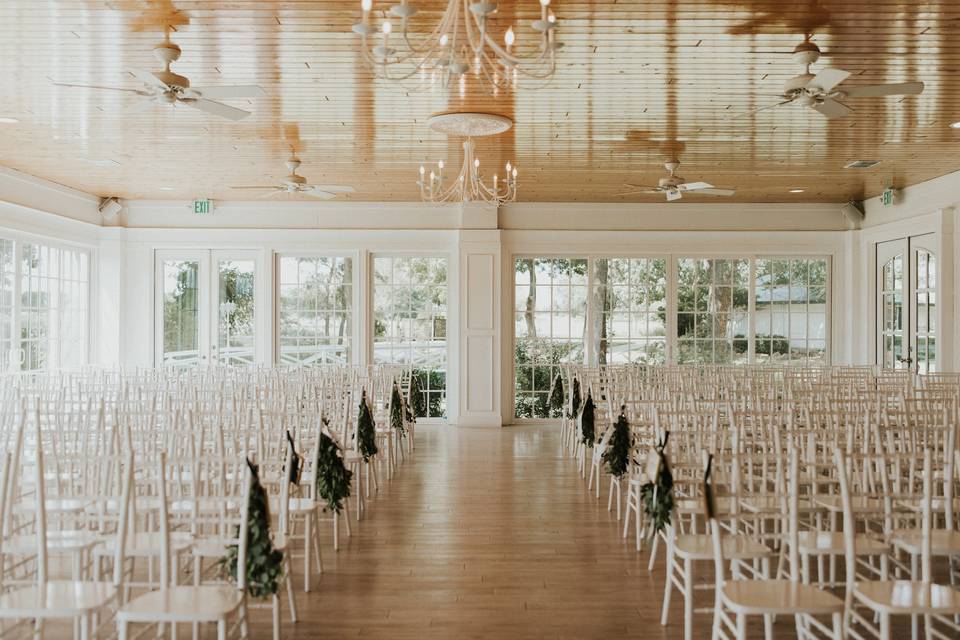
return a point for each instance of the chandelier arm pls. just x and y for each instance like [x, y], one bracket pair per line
[542, 53]
[471, 21]
[428, 49]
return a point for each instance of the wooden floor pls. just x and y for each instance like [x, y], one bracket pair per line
[488, 534]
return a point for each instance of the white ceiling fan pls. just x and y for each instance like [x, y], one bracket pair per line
[824, 91]
[673, 186]
[295, 183]
[167, 87]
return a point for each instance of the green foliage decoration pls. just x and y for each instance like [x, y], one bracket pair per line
[556, 394]
[575, 400]
[264, 563]
[396, 411]
[416, 397]
[366, 430]
[617, 455]
[587, 428]
[333, 477]
[657, 494]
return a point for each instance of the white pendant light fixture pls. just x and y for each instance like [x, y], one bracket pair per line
[468, 185]
[458, 45]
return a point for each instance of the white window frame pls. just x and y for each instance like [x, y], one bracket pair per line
[357, 312]
[369, 318]
[19, 239]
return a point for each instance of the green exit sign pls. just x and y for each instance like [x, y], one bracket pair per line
[202, 207]
[887, 197]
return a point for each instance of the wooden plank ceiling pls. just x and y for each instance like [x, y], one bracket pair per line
[637, 81]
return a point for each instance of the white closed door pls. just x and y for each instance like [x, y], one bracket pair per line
[907, 304]
[206, 307]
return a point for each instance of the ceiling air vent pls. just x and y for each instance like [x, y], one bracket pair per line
[862, 164]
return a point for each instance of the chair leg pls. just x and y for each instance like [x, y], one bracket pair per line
[290, 599]
[275, 610]
[741, 627]
[315, 540]
[885, 626]
[667, 589]
[306, 554]
[221, 630]
[687, 599]
[122, 629]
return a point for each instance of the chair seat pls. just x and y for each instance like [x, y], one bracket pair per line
[58, 542]
[904, 596]
[296, 506]
[55, 505]
[56, 599]
[754, 597]
[827, 543]
[942, 541]
[211, 547]
[700, 547]
[205, 603]
[147, 544]
[774, 505]
[860, 504]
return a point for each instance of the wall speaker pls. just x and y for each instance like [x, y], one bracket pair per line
[109, 208]
[853, 212]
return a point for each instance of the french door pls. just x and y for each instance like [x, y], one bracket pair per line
[907, 304]
[206, 307]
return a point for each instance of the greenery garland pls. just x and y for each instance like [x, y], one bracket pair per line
[587, 430]
[396, 411]
[366, 430]
[264, 563]
[333, 477]
[657, 495]
[556, 394]
[416, 397]
[575, 399]
[617, 455]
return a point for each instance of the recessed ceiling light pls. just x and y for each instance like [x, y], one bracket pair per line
[166, 188]
[796, 190]
[955, 125]
[8, 120]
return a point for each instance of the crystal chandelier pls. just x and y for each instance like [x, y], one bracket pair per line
[468, 185]
[458, 45]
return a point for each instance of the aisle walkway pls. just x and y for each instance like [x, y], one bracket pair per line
[485, 534]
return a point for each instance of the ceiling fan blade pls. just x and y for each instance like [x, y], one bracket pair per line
[880, 90]
[827, 79]
[261, 188]
[218, 109]
[642, 187]
[694, 186]
[766, 108]
[716, 192]
[334, 188]
[319, 193]
[149, 79]
[832, 109]
[97, 86]
[226, 93]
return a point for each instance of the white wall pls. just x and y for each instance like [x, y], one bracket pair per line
[481, 243]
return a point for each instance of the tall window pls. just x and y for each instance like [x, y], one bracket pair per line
[316, 302]
[791, 306]
[181, 313]
[712, 307]
[44, 306]
[630, 295]
[550, 316]
[410, 322]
